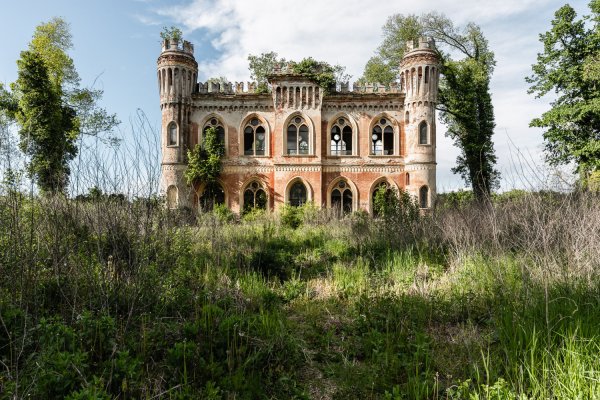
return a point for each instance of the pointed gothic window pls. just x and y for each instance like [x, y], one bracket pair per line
[254, 138]
[382, 138]
[298, 196]
[341, 138]
[215, 123]
[254, 197]
[341, 198]
[297, 137]
[172, 134]
[423, 133]
[424, 197]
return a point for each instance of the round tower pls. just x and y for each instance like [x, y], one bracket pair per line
[177, 75]
[419, 73]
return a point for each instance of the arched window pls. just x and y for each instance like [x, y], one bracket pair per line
[172, 134]
[210, 197]
[254, 138]
[215, 123]
[382, 140]
[341, 198]
[407, 179]
[407, 118]
[341, 138]
[424, 197]
[254, 197]
[423, 133]
[297, 137]
[172, 196]
[298, 194]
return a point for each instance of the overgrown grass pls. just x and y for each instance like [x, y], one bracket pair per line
[106, 298]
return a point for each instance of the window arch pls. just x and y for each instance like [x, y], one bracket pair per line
[342, 198]
[298, 138]
[254, 197]
[341, 138]
[172, 134]
[382, 138]
[211, 196]
[298, 194]
[423, 133]
[424, 197]
[255, 137]
[172, 197]
[214, 122]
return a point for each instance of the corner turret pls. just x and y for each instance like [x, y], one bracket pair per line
[177, 76]
[419, 75]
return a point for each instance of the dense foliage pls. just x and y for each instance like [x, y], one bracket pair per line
[321, 72]
[52, 111]
[568, 66]
[204, 162]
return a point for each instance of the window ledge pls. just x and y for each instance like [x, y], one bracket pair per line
[345, 156]
[299, 155]
[172, 145]
[425, 144]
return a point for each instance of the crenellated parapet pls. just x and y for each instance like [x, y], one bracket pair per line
[420, 70]
[226, 87]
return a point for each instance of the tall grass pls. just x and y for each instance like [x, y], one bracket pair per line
[105, 296]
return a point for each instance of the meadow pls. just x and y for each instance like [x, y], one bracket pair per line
[107, 297]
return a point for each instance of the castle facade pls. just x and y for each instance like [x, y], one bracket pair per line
[298, 143]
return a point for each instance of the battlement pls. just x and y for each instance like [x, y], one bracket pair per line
[424, 43]
[250, 88]
[178, 45]
[226, 88]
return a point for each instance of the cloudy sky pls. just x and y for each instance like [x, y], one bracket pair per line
[117, 43]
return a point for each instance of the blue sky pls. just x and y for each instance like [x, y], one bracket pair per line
[116, 43]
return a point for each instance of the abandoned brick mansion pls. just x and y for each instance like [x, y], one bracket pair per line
[298, 143]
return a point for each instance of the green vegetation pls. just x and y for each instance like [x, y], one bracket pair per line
[50, 108]
[103, 297]
[321, 72]
[568, 66]
[172, 33]
[464, 101]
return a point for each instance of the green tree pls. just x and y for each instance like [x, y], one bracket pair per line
[261, 67]
[48, 128]
[51, 108]
[569, 66]
[464, 100]
[397, 30]
[204, 162]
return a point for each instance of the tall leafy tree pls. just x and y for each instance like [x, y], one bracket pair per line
[48, 128]
[397, 30]
[51, 108]
[464, 102]
[569, 67]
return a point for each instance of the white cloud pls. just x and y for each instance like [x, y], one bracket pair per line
[347, 32]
